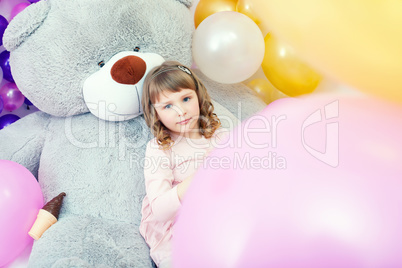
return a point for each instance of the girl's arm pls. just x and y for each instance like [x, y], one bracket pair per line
[162, 196]
[183, 187]
[220, 136]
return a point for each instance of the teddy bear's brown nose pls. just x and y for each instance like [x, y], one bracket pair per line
[128, 70]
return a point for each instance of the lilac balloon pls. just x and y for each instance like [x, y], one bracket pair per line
[3, 26]
[5, 65]
[312, 182]
[12, 97]
[7, 120]
[1, 104]
[17, 9]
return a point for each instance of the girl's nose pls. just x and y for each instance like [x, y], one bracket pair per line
[180, 111]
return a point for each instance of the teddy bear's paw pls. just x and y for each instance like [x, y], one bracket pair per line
[84, 241]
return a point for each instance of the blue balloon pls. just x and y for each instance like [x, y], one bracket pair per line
[7, 120]
[3, 26]
[5, 65]
[1, 104]
[27, 102]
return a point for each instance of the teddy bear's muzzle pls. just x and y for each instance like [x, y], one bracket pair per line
[114, 92]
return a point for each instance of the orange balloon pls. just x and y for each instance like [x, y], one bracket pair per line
[286, 71]
[265, 90]
[357, 42]
[206, 8]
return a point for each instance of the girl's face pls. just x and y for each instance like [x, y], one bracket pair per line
[179, 112]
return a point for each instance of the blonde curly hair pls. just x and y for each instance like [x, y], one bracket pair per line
[173, 77]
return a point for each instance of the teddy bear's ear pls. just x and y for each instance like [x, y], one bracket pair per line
[187, 3]
[24, 24]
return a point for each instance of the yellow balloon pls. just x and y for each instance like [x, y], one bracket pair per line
[286, 71]
[249, 9]
[357, 42]
[265, 90]
[206, 8]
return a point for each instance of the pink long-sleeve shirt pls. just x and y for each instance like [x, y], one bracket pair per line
[163, 171]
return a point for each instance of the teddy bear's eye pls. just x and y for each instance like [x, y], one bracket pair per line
[136, 49]
[101, 63]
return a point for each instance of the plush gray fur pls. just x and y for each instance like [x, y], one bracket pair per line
[55, 45]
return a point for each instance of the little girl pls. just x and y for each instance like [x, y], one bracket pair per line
[179, 112]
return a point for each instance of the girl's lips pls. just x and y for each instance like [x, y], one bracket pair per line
[184, 122]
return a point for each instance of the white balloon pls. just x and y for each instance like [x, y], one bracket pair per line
[228, 47]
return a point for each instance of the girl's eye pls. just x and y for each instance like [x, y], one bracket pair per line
[186, 99]
[168, 106]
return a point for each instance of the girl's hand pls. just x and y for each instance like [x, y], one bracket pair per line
[183, 187]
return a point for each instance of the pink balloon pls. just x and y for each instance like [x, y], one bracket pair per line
[20, 200]
[12, 97]
[17, 9]
[22, 259]
[313, 182]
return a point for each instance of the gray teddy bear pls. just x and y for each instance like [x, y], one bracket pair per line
[89, 138]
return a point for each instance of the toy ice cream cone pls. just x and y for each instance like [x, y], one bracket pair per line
[47, 216]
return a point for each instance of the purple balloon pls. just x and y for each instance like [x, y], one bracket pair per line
[7, 120]
[3, 26]
[33, 1]
[1, 104]
[12, 97]
[5, 65]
